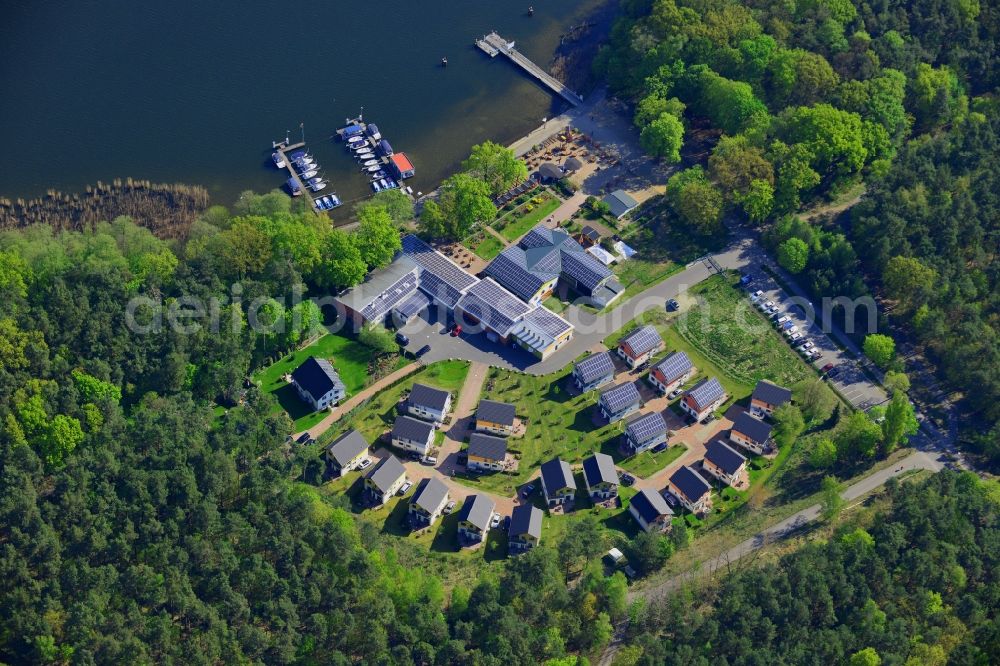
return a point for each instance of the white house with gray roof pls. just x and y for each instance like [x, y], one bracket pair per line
[428, 403]
[347, 452]
[525, 528]
[601, 477]
[385, 480]
[318, 383]
[558, 484]
[645, 432]
[427, 503]
[412, 434]
[650, 510]
[474, 519]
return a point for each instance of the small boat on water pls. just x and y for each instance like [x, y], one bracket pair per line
[379, 174]
[304, 163]
[301, 154]
[309, 174]
[373, 132]
[361, 146]
[355, 139]
[334, 201]
[321, 203]
[316, 184]
[365, 155]
[384, 184]
[278, 161]
[293, 187]
[371, 162]
[376, 186]
[372, 169]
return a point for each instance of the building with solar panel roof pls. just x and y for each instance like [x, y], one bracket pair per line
[703, 398]
[691, 488]
[640, 345]
[594, 371]
[372, 300]
[671, 372]
[544, 257]
[644, 432]
[619, 401]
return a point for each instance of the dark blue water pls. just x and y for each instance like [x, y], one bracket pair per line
[194, 92]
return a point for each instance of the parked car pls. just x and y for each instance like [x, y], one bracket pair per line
[803, 343]
[428, 460]
[303, 438]
[669, 496]
[456, 330]
[627, 479]
[789, 330]
[746, 279]
[833, 372]
[402, 340]
[659, 447]
[676, 392]
[766, 305]
[782, 319]
[423, 350]
[708, 419]
[773, 310]
[449, 507]
[827, 368]
[814, 353]
[495, 520]
[405, 488]
[527, 490]
[756, 296]
[365, 464]
[673, 305]
[795, 336]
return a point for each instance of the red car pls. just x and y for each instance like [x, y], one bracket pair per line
[827, 368]
[456, 331]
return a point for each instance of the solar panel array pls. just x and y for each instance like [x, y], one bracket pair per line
[508, 269]
[415, 303]
[618, 398]
[584, 268]
[674, 366]
[594, 366]
[385, 301]
[493, 305]
[643, 339]
[548, 322]
[646, 427]
[537, 237]
[707, 392]
[439, 277]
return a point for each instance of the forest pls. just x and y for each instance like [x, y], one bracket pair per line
[771, 108]
[917, 587]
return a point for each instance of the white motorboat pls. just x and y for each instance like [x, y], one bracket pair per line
[376, 187]
[278, 161]
[316, 185]
[310, 174]
[371, 162]
[372, 169]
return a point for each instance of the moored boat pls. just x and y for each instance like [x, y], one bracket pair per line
[293, 187]
[376, 186]
[373, 169]
[278, 161]
[335, 201]
[371, 162]
[316, 184]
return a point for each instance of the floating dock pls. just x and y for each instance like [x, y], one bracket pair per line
[493, 45]
[284, 149]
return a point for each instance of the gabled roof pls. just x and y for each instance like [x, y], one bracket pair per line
[617, 398]
[600, 468]
[493, 306]
[509, 268]
[753, 428]
[487, 446]
[387, 473]
[642, 340]
[347, 447]
[430, 494]
[724, 456]
[594, 367]
[540, 328]
[526, 519]
[620, 202]
[706, 392]
[382, 290]
[674, 365]
[502, 413]
[646, 427]
[440, 277]
[770, 393]
[478, 510]
[691, 483]
[557, 475]
[412, 305]
[427, 396]
[651, 505]
[407, 427]
[317, 377]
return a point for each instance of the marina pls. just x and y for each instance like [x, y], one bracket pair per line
[304, 173]
[385, 167]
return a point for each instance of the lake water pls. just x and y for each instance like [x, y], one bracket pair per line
[194, 92]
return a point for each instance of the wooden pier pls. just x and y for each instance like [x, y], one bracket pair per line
[284, 149]
[493, 44]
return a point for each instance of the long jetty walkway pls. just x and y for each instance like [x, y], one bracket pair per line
[493, 44]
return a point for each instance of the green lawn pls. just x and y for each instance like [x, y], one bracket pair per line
[554, 304]
[638, 274]
[647, 463]
[484, 244]
[558, 424]
[375, 416]
[520, 222]
[348, 356]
